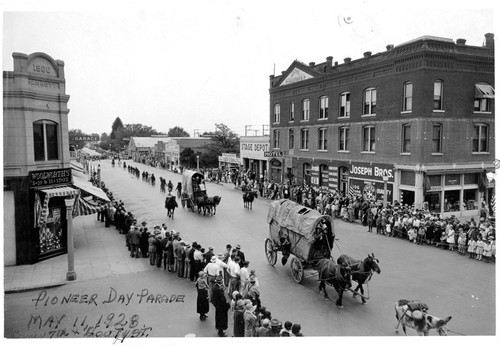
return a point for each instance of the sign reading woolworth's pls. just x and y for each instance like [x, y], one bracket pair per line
[50, 177]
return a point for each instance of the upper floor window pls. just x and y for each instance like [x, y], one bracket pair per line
[276, 137]
[438, 95]
[480, 138]
[369, 138]
[406, 139]
[437, 134]
[291, 115]
[322, 141]
[304, 139]
[345, 105]
[291, 139]
[343, 139]
[277, 114]
[483, 97]
[45, 140]
[305, 109]
[408, 97]
[369, 101]
[323, 107]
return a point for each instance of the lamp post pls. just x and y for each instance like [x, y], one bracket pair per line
[99, 175]
[197, 162]
[385, 178]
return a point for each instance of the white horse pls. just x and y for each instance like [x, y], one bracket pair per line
[422, 322]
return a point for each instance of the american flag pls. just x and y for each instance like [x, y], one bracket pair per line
[352, 192]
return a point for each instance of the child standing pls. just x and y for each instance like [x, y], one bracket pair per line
[487, 250]
[479, 248]
[472, 247]
[461, 242]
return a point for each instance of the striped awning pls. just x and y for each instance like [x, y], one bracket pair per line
[84, 207]
[82, 183]
[485, 91]
[60, 191]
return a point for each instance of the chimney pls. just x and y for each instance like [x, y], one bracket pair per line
[489, 42]
[461, 42]
[367, 54]
[336, 63]
[329, 60]
[389, 47]
[311, 64]
[346, 60]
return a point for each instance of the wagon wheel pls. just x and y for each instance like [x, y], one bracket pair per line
[271, 253]
[297, 270]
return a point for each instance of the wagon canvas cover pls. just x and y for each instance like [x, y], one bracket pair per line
[299, 223]
[187, 181]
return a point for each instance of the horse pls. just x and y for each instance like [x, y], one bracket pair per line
[361, 271]
[421, 325]
[248, 198]
[211, 204]
[170, 205]
[333, 275]
[200, 203]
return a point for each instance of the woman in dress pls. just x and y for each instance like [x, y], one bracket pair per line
[202, 305]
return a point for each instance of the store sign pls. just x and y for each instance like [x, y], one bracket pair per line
[86, 138]
[50, 177]
[369, 190]
[254, 146]
[375, 171]
[273, 154]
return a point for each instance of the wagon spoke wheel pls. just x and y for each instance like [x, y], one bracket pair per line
[297, 270]
[271, 253]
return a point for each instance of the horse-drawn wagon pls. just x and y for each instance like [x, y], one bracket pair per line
[299, 231]
[194, 193]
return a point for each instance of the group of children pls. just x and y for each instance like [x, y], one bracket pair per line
[478, 248]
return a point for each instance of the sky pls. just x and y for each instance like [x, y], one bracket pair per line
[197, 63]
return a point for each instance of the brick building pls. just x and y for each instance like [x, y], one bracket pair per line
[416, 121]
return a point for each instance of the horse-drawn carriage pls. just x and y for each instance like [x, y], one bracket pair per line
[309, 236]
[299, 231]
[194, 193]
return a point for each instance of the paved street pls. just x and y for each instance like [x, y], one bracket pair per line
[450, 284]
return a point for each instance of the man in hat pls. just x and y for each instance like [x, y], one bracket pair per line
[263, 331]
[198, 259]
[227, 254]
[244, 277]
[190, 256]
[275, 328]
[135, 237]
[233, 269]
[187, 264]
[250, 320]
[175, 245]
[181, 255]
[219, 261]
[240, 254]
[221, 307]
[238, 319]
[207, 257]
[212, 271]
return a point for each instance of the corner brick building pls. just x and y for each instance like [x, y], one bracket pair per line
[418, 118]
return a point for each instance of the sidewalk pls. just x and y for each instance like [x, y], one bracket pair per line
[99, 252]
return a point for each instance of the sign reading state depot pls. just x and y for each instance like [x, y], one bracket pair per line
[374, 171]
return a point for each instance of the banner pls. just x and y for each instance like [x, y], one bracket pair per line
[369, 190]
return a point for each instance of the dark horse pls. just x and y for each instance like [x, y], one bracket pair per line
[211, 204]
[248, 198]
[333, 275]
[170, 205]
[361, 271]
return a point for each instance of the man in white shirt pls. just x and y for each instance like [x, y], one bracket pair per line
[244, 276]
[233, 269]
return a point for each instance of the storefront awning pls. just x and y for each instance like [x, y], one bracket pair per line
[84, 207]
[82, 183]
[485, 91]
[41, 211]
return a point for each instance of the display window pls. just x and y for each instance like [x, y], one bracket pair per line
[452, 201]
[52, 234]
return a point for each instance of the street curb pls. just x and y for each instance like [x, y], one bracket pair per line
[32, 288]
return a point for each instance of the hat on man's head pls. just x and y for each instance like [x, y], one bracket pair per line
[250, 307]
[238, 247]
[265, 322]
[240, 303]
[144, 223]
[210, 248]
[275, 323]
[213, 259]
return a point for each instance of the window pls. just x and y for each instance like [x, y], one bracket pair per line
[369, 101]
[304, 139]
[437, 134]
[277, 111]
[406, 139]
[343, 138]
[480, 139]
[408, 97]
[291, 115]
[345, 105]
[291, 139]
[276, 136]
[323, 107]
[322, 141]
[438, 95]
[369, 138]
[45, 140]
[305, 109]
[483, 97]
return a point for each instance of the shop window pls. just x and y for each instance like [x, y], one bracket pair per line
[407, 178]
[433, 201]
[470, 199]
[45, 140]
[452, 201]
[471, 178]
[452, 179]
[407, 197]
[307, 173]
[323, 175]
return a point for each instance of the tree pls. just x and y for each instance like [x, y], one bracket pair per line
[177, 132]
[187, 157]
[79, 139]
[139, 130]
[223, 141]
[116, 127]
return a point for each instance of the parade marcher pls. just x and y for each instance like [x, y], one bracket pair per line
[221, 307]
[178, 189]
[239, 320]
[202, 301]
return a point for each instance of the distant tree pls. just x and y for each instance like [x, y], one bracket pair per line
[105, 141]
[177, 132]
[78, 138]
[187, 157]
[139, 130]
[116, 127]
[223, 141]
